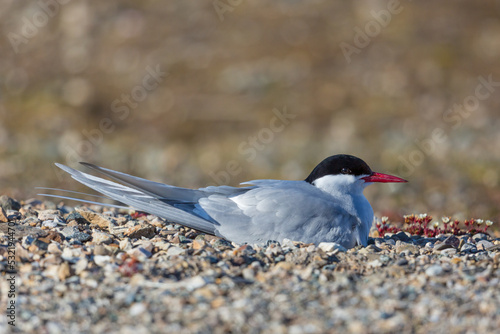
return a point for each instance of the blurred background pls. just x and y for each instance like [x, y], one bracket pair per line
[203, 93]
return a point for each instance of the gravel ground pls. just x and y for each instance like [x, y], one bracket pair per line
[91, 269]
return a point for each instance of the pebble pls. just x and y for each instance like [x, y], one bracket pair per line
[288, 243]
[390, 242]
[452, 241]
[449, 251]
[49, 223]
[402, 262]
[63, 271]
[434, 270]
[8, 203]
[484, 245]
[402, 236]
[407, 248]
[222, 244]
[139, 231]
[248, 274]
[479, 236]
[3, 215]
[468, 248]
[71, 255]
[137, 309]
[101, 250]
[369, 249]
[102, 260]
[101, 238]
[54, 248]
[374, 263]
[95, 218]
[77, 217]
[49, 214]
[439, 246]
[81, 236]
[328, 247]
[125, 244]
[60, 221]
[81, 265]
[13, 215]
[70, 231]
[199, 244]
[172, 251]
[140, 253]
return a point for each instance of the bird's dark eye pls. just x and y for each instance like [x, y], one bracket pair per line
[345, 171]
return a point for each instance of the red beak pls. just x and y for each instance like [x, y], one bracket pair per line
[383, 178]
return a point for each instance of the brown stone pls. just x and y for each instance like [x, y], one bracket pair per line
[284, 265]
[158, 223]
[217, 302]
[53, 248]
[22, 254]
[72, 223]
[101, 250]
[3, 216]
[53, 235]
[209, 237]
[142, 230]
[95, 218]
[199, 244]
[64, 271]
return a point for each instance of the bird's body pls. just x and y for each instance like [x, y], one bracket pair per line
[328, 206]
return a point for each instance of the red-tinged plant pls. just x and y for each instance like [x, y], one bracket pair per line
[129, 267]
[419, 225]
[138, 214]
[383, 227]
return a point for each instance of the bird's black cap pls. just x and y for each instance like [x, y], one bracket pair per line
[339, 164]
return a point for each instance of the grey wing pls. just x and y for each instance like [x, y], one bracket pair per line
[161, 190]
[172, 203]
[278, 210]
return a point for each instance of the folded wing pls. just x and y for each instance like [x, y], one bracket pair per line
[168, 202]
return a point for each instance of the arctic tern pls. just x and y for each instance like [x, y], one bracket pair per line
[328, 206]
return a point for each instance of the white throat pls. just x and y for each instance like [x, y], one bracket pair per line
[341, 184]
[347, 191]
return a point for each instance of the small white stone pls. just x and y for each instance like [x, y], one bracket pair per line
[140, 253]
[125, 245]
[434, 270]
[101, 238]
[48, 214]
[374, 264]
[81, 265]
[328, 247]
[102, 260]
[137, 309]
[49, 223]
[248, 274]
[287, 243]
[194, 283]
[54, 248]
[175, 251]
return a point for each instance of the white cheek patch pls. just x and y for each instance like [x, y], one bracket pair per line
[336, 183]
